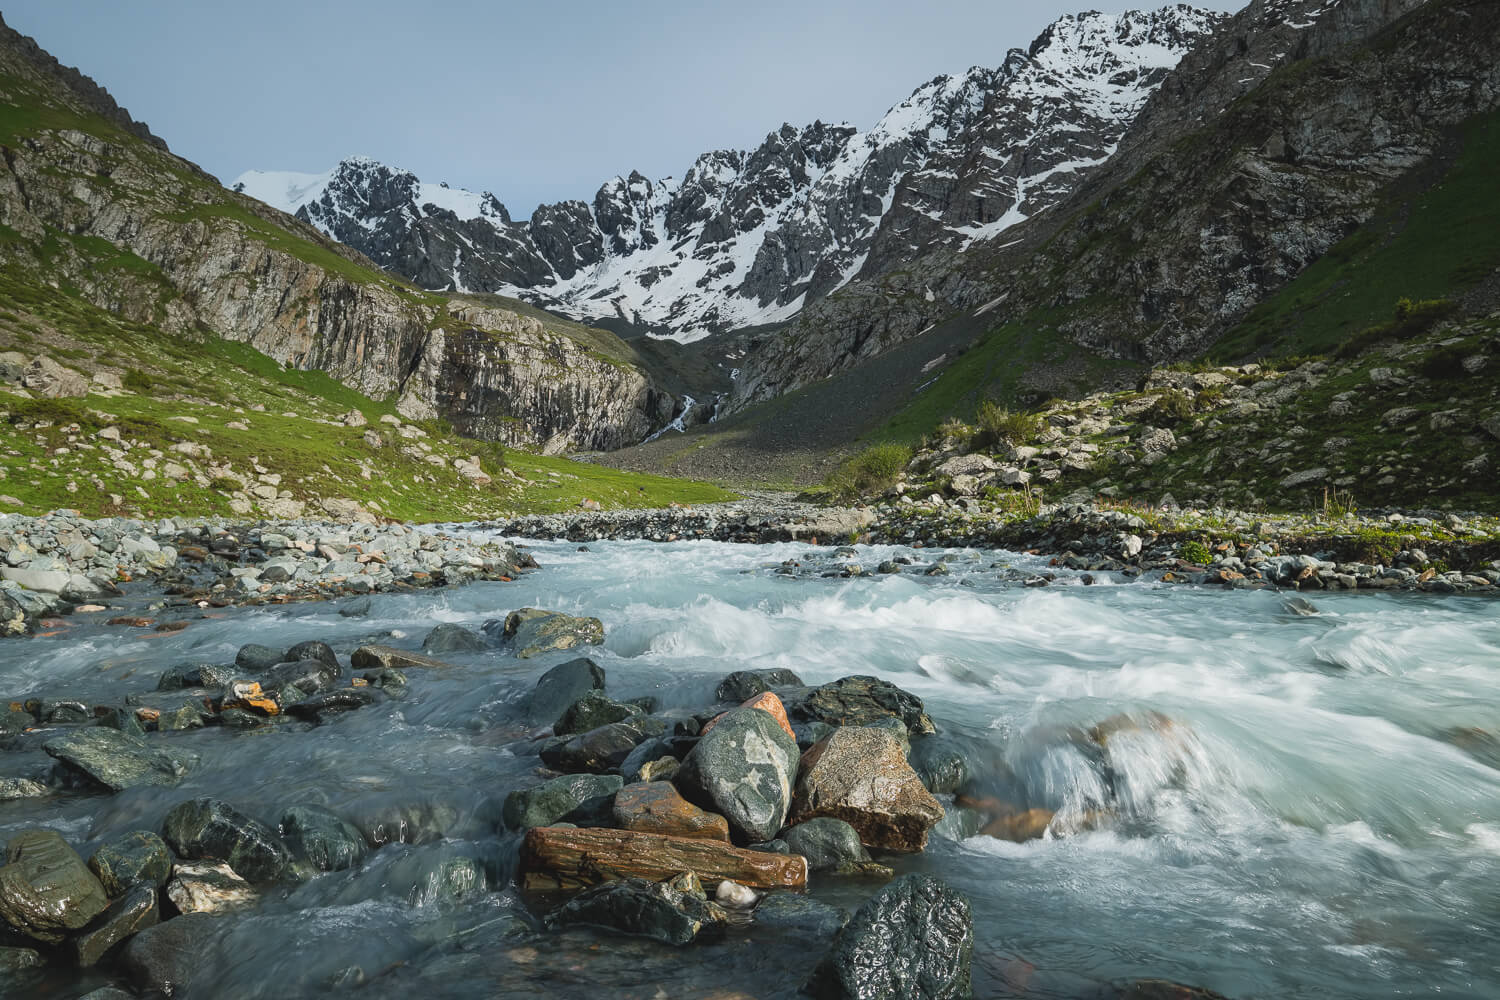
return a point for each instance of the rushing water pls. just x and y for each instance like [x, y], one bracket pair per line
[1319, 818]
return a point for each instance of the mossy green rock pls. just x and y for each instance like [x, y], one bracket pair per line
[209, 828]
[570, 797]
[46, 891]
[532, 631]
[115, 759]
[137, 857]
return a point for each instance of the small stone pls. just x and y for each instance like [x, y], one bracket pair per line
[560, 687]
[209, 887]
[115, 759]
[740, 897]
[450, 638]
[375, 657]
[744, 684]
[591, 711]
[826, 843]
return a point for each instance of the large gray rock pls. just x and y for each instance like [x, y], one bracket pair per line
[572, 798]
[130, 914]
[912, 941]
[46, 891]
[115, 759]
[323, 838]
[138, 857]
[657, 910]
[860, 775]
[560, 687]
[744, 769]
[529, 632]
[209, 828]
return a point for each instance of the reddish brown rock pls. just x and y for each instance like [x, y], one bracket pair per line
[861, 776]
[655, 807]
[1019, 827]
[555, 857]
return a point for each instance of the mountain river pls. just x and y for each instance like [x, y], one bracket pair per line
[1294, 805]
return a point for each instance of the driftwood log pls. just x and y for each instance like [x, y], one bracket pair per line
[567, 858]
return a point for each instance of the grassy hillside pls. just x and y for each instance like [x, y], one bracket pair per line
[198, 425]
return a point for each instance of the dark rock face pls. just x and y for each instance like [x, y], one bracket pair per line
[942, 765]
[209, 828]
[165, 958]
[860, 701]
[562, 686]
[744, 769]
[320, 706]
[307, 676]
[597, 751]
[115, 759]
[742, 685]
[912, 941]
[136, 858]
[312, 649]
[322, 837]
[655, 910]
[800, 915]
[573, 798]
[46, 890]
[130, 914]
[451, 638]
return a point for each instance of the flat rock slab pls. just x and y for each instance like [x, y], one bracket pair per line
[130, 914]
[656, 807]
[114, 759]
[860, 775]
[643, 908]
[375, 657]
[913, 940]
[46, 891]
[209, 828]
[561, 857]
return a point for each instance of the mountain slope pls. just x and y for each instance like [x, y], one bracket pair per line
[91, 203]
[748, 238]
[1277, 137]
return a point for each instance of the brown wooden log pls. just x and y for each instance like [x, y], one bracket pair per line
[565, 858]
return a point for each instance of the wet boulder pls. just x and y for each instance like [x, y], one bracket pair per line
[583, 799]
[451, 638]
[656, 910]
[20, 959]
[128, 915]
[163, 959]
[826, 843]
[115, 759]
[596, 751]
[743, 769]
[800, 915]
[657, 807]
[860, 775]
[592, 710]
[744, 684]
[323, 838]
[320, 707]
[46, 891]
[313, 649]
[210, 828]
[253, 657]
[307, 676]
[135, 858]
[940, 763]
[529, 632]
[912, 941]
[560, 687]
[861, 700]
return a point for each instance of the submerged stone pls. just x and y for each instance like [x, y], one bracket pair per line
[130, 914]
[210, 828]
[635, 906]
[163, 959]
[560, 687]
[254, 657]
[801, 915]
[377, 657]
[826, 843]
[323, 838]
[313, 650]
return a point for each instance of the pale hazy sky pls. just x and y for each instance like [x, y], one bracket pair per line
[533, 101]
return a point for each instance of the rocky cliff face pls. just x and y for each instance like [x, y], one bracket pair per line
[1275, 137]
[745, 238]
[98, 204]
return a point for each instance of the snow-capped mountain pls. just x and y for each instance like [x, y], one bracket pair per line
[750, 237]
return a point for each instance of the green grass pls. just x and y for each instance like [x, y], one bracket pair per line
[1430, 246]
[872, 471]
[283, 240]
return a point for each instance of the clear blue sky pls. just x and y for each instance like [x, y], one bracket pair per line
[533, 101]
